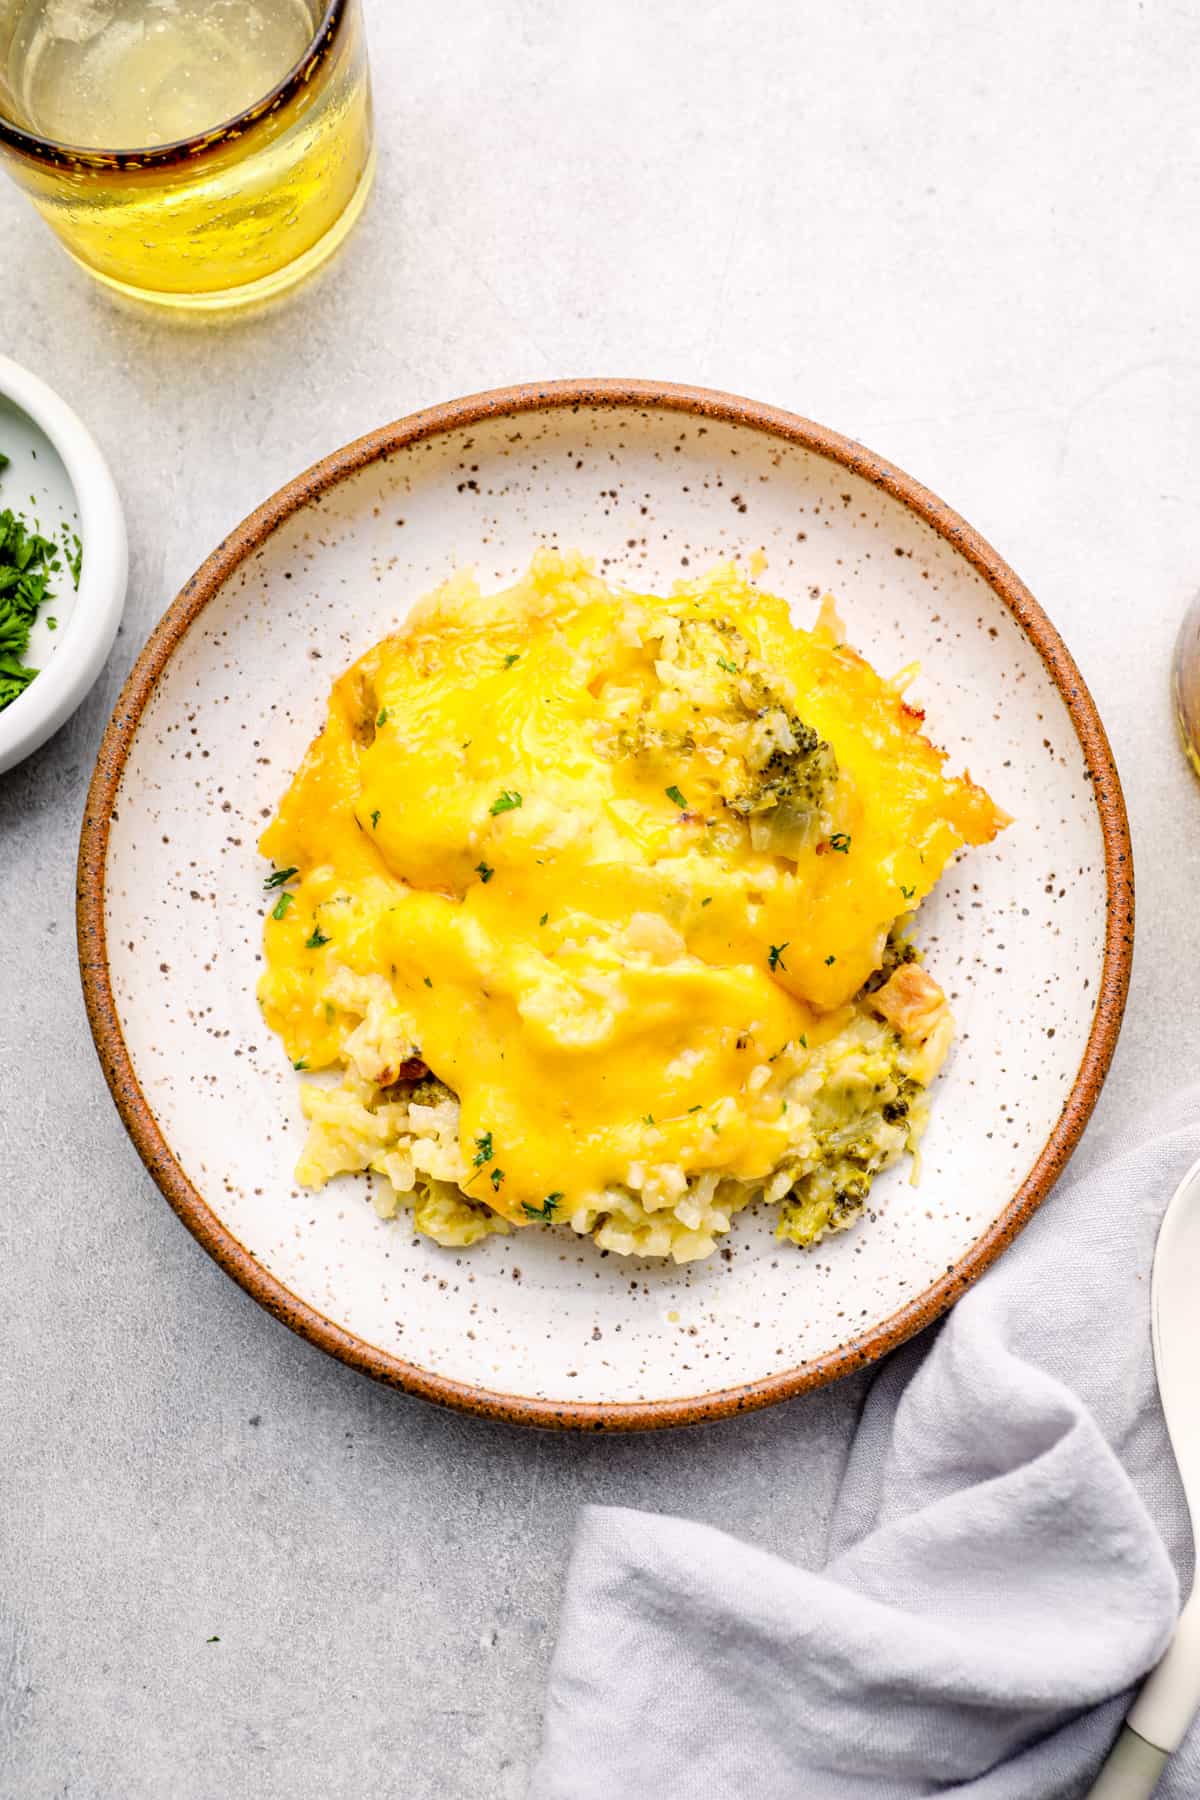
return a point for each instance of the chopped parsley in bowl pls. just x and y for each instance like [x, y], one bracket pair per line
[63, 562]
[30, 568]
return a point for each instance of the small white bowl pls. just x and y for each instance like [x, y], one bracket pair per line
[58, 480]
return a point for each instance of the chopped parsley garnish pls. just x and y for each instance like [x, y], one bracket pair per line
[484, 873]
[802, 1041]
[483, 1150]
[316, 940]
[546, 1211]
[775, 955]
[707, 900]
[497, 1176]
[840, 841]
[512, 657]
[508, 801]
[693, 1109]
[300, 1065]
[330, 1012]
[27, 561]
[428, 983]
[382, 719]
[674, 794]
[212, 1640]
[281, 905]
[51, 624]
[375, 818]
[907, 892]
[543, 918]
[280, 878]
[829, 961]
[649, 1119]
[74, 555]
[730, 668]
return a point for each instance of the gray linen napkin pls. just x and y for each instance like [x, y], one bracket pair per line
[1004, 1562]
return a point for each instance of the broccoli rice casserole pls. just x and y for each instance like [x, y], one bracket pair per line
[591, 909]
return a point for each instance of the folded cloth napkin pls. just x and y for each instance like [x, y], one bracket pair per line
[1005, 1560]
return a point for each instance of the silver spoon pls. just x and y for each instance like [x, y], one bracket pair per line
[1167, 1704]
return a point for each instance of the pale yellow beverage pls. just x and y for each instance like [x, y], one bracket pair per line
[1185, 680]
[195, 152]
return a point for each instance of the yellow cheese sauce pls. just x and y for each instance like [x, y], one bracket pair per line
[615, 868]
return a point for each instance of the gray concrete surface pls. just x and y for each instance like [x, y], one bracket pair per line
[963, 233]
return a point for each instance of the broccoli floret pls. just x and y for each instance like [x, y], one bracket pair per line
[853, 1150]
[652, 743]
[797, 783]
[778, 773]
[786, 799]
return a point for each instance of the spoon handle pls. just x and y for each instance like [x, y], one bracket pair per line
[1131, 1771]
[1158, 1718]
[1167, 1703]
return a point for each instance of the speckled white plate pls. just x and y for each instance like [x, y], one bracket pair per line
[1031, 937]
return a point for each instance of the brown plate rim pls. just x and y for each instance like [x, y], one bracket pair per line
[215, 1236]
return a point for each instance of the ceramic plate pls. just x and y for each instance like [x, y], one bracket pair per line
[1031, 937]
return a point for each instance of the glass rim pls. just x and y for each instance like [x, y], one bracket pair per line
[48, 150]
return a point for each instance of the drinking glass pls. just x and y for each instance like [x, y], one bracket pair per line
[195, 216]
[1185, 681]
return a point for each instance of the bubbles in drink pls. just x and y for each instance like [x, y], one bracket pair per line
[129, 74]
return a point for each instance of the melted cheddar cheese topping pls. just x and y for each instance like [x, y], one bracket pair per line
[597, 881]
